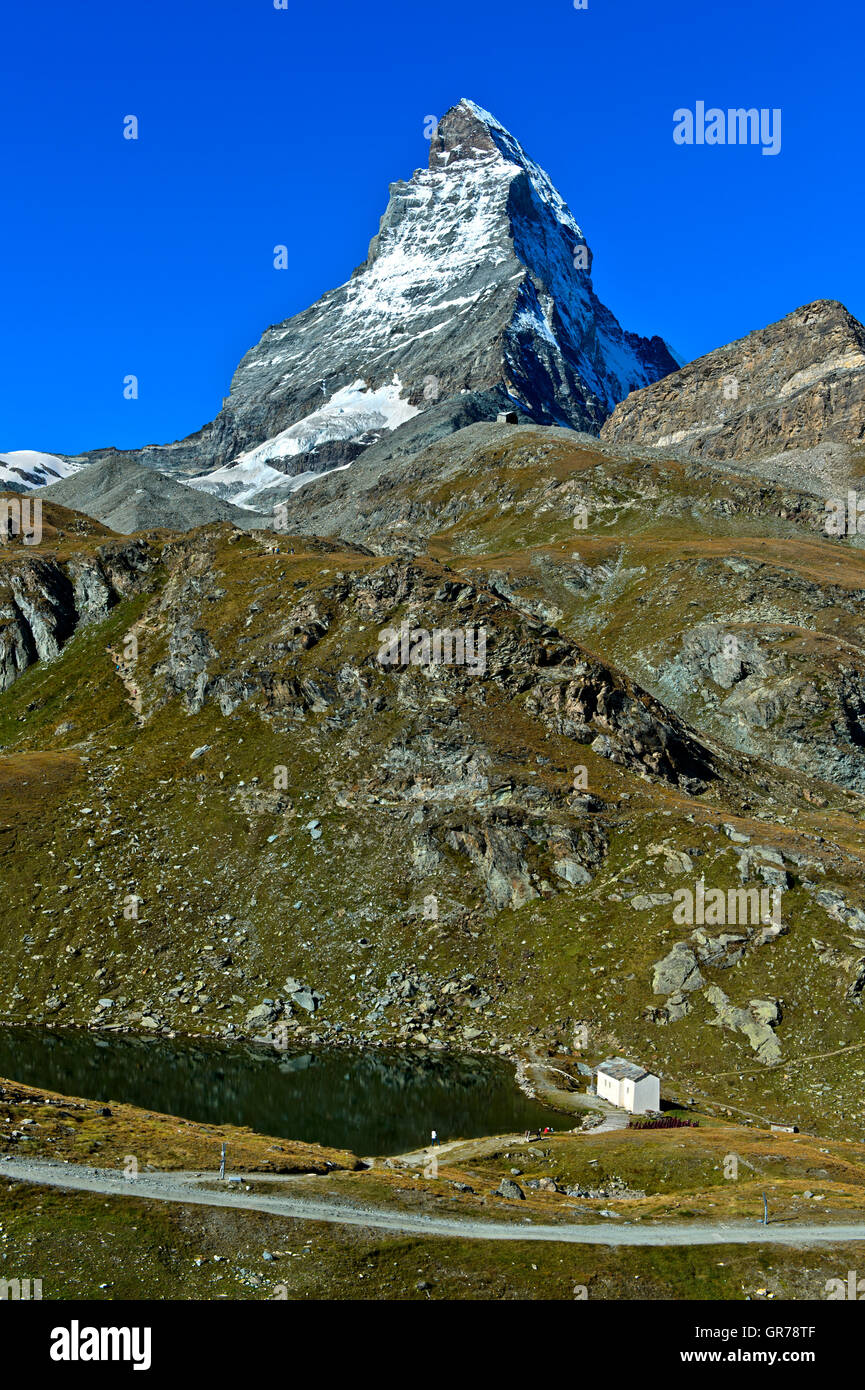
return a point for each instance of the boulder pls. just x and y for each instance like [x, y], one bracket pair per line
[510, 1189]
[263, 1014]
[677, 972]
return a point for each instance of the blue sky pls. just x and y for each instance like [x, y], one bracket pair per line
[261, 126]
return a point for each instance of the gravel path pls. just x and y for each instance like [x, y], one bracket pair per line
[187, 1187]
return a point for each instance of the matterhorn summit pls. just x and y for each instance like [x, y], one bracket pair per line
[475, 296]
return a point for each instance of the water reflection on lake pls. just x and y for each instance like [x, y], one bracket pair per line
[373, 1101]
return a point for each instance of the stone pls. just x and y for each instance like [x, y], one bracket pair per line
[642, 902]
[511, 1190]
[765, 1010]
[755, 1023]
[572, 871]
[676, 861]
[263, 1014]
[761, 861]
[678, 1006]
[735, 835]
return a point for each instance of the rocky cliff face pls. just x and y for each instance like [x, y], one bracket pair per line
[479, 279]
[44, 600]
[797, 383]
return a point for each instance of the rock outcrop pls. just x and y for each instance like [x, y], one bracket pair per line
[757, 1023]
[43, 601]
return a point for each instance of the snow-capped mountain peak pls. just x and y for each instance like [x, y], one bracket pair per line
[478, 281]
[470, 132]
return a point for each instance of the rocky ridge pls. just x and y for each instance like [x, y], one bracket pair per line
[795, 384]
[127, 497]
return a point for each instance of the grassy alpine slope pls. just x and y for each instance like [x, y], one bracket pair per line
[250, 806]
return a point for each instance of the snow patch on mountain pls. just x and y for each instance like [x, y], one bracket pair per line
[23, 469]
[351, 411]
[239, 483]
[354, 411]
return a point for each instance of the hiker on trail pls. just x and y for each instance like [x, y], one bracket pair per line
[435, 1140]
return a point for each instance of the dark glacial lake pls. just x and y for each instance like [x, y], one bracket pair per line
[372, 1102]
